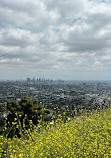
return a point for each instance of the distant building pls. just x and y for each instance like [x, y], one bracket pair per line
[28, 79]
[33, 80]
[39, 79]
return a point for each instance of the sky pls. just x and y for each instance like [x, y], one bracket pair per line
[56, 39]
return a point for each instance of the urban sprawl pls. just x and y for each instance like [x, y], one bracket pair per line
[76, 95]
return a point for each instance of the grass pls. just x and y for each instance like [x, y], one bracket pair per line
[87, 136]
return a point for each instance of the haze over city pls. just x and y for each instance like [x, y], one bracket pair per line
[68, 40]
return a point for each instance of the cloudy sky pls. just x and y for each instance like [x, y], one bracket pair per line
[58, 39]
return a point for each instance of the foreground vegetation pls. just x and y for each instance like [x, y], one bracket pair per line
[85, 136]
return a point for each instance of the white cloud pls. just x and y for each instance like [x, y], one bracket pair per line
[53, 38]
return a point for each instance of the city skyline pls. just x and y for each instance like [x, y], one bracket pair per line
[67, 40]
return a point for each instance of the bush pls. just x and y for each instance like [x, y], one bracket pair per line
[21, 112]
[83, 136]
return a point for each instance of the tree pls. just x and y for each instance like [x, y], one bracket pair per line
[2, 110]
[23, 111]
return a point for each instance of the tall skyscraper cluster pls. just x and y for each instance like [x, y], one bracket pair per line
[33, 80]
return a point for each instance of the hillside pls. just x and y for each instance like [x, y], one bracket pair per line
[85, 136]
